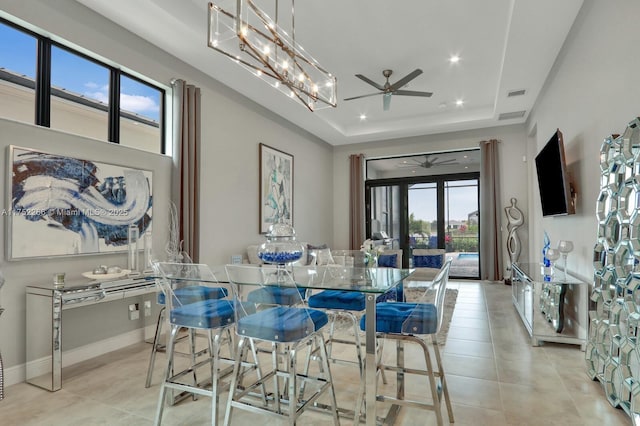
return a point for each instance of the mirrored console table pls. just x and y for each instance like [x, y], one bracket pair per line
[552, 309]
[45, 309]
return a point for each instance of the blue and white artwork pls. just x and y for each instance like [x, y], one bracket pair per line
[276, 187]
[63, 206]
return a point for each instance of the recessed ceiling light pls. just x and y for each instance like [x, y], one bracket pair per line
[454, 59]
[442, 105]
[363, 117]
[459, 102]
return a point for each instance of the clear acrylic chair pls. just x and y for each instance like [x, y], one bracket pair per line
[284, 330]
[415, 322]
[349, 304]
[212, 316]
[186, 295]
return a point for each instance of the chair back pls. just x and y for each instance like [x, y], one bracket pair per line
[188, 284]
[390, 259]
[276, 285]
[419, 314]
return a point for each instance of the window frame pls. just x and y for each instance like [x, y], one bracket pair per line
[43, 90]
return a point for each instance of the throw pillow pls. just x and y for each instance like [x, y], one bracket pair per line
[428, 261]
[388, 260]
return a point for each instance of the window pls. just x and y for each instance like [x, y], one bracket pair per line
[76, 93]
[17, 73]
[140, 107]
[79, 95]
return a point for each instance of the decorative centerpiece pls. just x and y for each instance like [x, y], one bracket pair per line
[371, 252]
[281, 247]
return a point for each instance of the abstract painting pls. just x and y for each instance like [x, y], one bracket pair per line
[276, 187]
[62, 206]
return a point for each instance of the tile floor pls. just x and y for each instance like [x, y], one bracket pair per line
[495, 378]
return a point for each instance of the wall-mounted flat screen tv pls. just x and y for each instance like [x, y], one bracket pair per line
[555, 189]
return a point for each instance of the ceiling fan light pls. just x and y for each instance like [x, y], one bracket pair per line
[386, 101]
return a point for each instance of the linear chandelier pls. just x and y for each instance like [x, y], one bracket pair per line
[261, 44]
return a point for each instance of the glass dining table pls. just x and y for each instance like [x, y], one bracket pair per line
[372, 282]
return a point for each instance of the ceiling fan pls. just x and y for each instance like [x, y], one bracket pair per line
[428, 162]
[388, 89]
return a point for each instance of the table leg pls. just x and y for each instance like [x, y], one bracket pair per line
[370, 360]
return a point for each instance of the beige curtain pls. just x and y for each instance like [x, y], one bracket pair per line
[490, 208]
[185, 191]
[356, 201]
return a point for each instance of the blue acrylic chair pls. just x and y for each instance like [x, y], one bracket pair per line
[185, 288]
[186, 295]
[415, 322]
[285, 329]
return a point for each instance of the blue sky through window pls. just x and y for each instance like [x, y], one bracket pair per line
[76, 74]
[17, 51]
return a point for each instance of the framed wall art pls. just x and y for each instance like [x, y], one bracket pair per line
[63, 206]
[276, 187]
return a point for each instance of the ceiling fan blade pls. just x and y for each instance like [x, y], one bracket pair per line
[412, 93]
[409, 165]
[386, 101]
[363, 96]
[450, 161]
[369, 81]
[404, 80]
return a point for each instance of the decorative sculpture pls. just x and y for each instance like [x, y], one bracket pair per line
[516, 219]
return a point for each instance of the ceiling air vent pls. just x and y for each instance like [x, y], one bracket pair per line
[513, 93]
[511, 115]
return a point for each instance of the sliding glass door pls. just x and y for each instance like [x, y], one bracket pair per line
[438, 211]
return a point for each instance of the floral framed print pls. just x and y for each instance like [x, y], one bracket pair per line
[276, 187]
[65, 206]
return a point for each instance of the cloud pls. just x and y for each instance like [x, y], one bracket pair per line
[142, 105]
[138, 104]
[99, 96]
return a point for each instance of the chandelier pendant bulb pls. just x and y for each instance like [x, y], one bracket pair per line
[257, 42]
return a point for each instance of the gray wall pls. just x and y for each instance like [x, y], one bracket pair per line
[19, 274]
[590, 94]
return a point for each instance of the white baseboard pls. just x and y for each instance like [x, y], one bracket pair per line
[17, 373]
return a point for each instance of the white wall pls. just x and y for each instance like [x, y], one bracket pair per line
[590, 94]
[512, 149]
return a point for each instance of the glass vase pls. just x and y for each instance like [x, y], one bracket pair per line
[133, 237]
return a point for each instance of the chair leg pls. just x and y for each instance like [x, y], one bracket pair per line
[332, 393]
[240, 355]
[167, 374]
[291, 393]
[443, 380]
[214, 353]
[380, 344]
[154, 349]
[254, 354]
[432, 383]
[276, 379]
